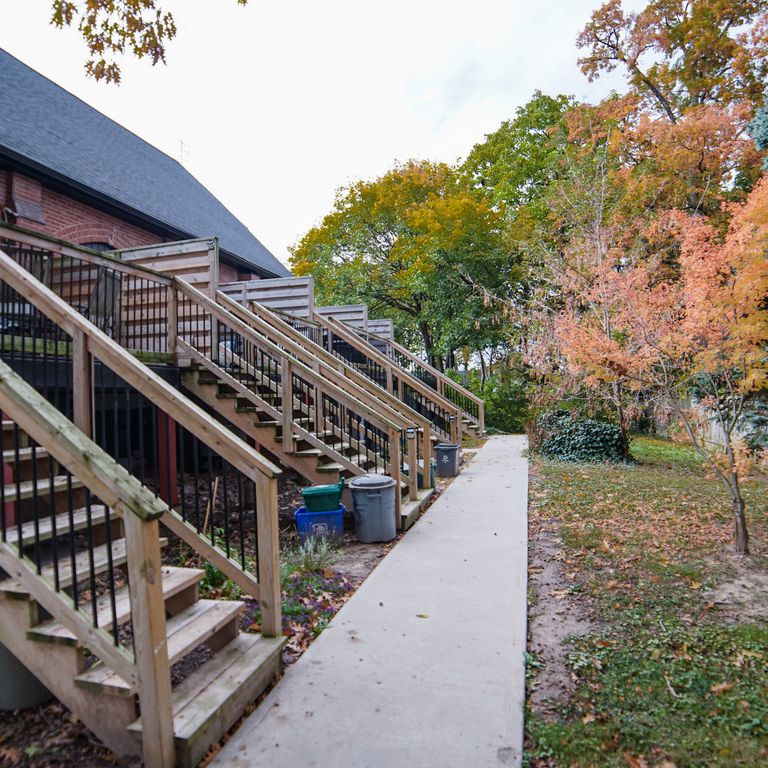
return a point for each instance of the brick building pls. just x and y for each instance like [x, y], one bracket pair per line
[72, 173]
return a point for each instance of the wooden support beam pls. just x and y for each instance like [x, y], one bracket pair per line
[286, 378]
[395, 474]
[269, 557]
[82, 383]
[173, 319]
[413, 464]
[150, 640]
[426, 455]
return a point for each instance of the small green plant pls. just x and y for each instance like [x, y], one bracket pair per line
[312, 555]
[214, 581]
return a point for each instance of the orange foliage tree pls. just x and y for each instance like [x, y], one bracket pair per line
[699, 334]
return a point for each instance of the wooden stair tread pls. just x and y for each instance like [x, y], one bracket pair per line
[45, 525]
[175, 580]
[197, 623]
[361, 458]
[309, 452]
[205, 688]
[25, 454]
[25, 488]
[330, 468]
[184, 632]
[209, 702]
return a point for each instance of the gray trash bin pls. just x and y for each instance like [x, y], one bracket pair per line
[373, 498]
[447, 458]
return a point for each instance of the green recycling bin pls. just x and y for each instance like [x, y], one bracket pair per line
[323, 498]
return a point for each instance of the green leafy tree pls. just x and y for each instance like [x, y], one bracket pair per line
[515, 164]
[413, 245]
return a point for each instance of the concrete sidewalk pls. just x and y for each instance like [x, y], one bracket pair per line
[423, 667]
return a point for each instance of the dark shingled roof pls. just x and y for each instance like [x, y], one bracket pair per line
[46, 128]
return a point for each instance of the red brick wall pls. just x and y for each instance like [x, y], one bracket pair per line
[4, 184]
[227, 273]
[69, 219]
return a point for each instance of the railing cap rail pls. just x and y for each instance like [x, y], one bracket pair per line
[322, 355]
[424, 364]
[256, 338]
[353, 337]
[34, 239]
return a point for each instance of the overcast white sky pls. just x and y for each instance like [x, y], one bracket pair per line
[278, 104]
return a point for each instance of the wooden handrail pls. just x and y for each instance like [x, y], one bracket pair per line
[323, 362]
[63, 248]
[439, 375]
[148, 671]
[248, 333]
[443, 381]
[331, 367]
[185, 412]
[352, 337]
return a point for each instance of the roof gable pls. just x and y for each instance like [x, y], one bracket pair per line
[45, 124]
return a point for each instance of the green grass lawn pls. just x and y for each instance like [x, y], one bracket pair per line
[671, 678]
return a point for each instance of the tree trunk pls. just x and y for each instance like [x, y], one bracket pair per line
[740, 535]
[621, 418]
[426, 338]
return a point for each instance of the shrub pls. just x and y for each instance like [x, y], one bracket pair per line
[559, 436]
[314, 554]
[506, 398]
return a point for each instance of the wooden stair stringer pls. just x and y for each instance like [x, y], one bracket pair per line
[56, 666]
[307, 466]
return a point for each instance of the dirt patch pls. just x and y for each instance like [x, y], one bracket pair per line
[355, 561]
[740, 596]
[555, 613]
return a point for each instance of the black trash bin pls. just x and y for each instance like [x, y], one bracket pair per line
[447, 458]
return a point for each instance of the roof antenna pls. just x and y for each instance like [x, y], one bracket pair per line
[184, 152]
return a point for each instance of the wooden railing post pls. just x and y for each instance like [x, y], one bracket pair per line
[426, 452]
[149, 639]
[481, 415]
[395, 474]
[269, 557]
[173, 320]
[82, 383]
[455, 421]
[413, 463]
[286, 380]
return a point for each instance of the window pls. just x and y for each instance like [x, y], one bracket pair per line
[98, 246]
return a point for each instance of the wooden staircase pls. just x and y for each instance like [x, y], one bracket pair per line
[413, 379]
[305, 414]
[70, 546]
[87, 603]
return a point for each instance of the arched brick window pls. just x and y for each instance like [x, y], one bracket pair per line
[98, 246]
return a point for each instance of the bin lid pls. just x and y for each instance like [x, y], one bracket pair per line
[372, 482]
[322, 490]
[447, 447]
